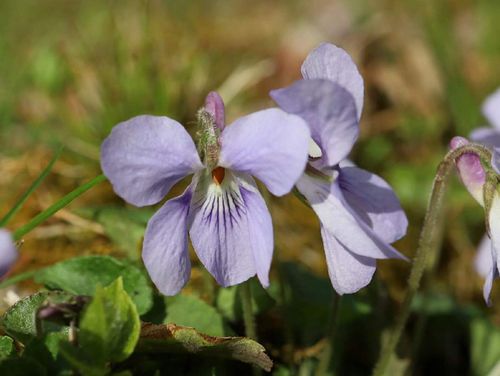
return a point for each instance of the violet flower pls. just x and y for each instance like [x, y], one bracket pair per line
[473, 176]
[490, 137]
[8, 252]
[358, 211]
[227, 218]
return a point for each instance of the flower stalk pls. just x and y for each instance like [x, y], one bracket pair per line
[326, 360]
[427, 244]
[247, 307]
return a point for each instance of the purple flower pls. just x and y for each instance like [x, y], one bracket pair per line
[489, 136]
[358, 211]
[473, 176]
[8, 251]
[227, 218]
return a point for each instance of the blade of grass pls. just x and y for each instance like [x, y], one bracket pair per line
[18, 278]
[51, 210]
[19, 204]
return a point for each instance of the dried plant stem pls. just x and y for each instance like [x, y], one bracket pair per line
[427, 243]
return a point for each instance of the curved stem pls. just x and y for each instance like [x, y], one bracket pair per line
[426, 245]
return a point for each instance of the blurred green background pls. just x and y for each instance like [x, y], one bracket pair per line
[71, 70]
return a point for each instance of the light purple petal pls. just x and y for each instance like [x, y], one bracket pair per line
[488, 284]
[491, 275]
[494, 224]
[375, 202]
[491, 109]
[165, 249]
[330, 112]
[483, 261]
[271, 145]
[470, 169]
[330, 62]
[231, 229]
[348, 272]
[145, 156]
[341, 221]
[495, 160]
[489, 137]
[8, 251]
[260, 230]
[214, 105]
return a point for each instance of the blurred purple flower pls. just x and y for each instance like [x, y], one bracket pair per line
[227, 218]
[473, 176]
[8, 251]
[489, 136]
[358, 211]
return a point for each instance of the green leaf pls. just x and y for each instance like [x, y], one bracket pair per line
[81, 276]
[229, 301]
[109, 328]
[20, 320]
[191, 311]
[82, 361]
[307, 301]
[485, 346]
[173, 338]
[6, 347]
[22, 367]
[37, 349]
[124, 226]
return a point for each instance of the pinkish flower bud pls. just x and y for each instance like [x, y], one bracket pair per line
[470, 169]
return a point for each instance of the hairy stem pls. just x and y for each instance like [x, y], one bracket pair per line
[427, 243]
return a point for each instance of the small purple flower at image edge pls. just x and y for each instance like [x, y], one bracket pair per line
[8, 252]
[473, 176]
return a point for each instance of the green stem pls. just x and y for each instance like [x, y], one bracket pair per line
[19, 204]
[37, 220]
[427, 244]
[18, 278]
[248, 319]
[326, 359]
[246, 302]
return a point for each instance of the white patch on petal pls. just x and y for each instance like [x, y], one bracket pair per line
[314, 149]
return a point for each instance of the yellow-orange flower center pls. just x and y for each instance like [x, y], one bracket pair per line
[218, 174]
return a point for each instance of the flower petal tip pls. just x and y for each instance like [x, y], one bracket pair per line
[457, 142]
[214, 105]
